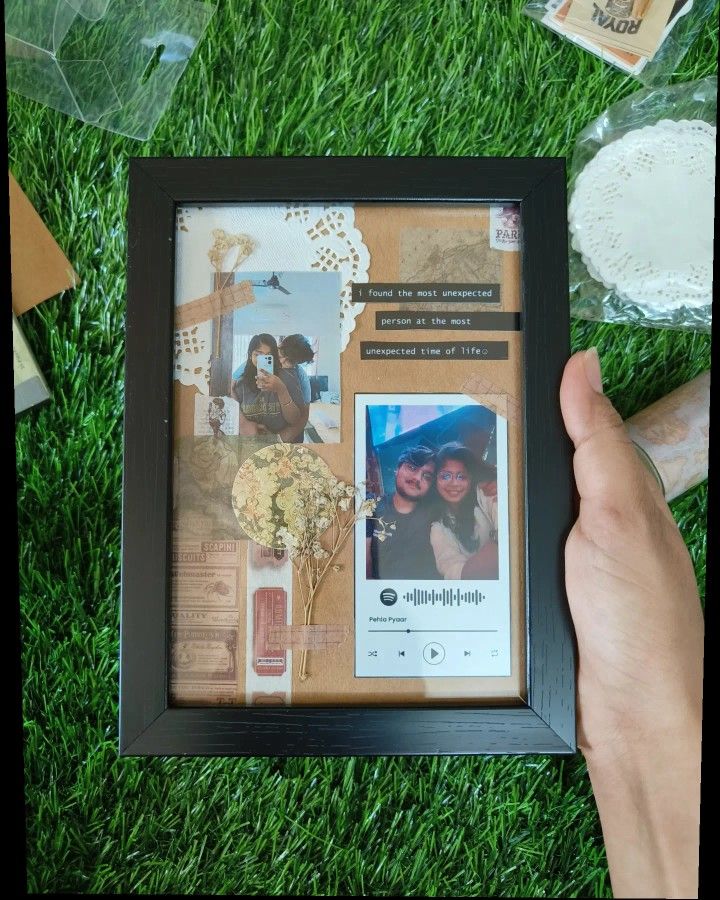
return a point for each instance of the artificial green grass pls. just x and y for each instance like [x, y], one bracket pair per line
[307, 77]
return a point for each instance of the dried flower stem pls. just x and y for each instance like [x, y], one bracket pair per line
[314, 577]
[319, 513]
[223, 243]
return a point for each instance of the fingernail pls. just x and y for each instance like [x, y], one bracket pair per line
[592, 370]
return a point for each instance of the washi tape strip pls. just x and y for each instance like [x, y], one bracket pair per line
[480, 388]
[306, 637]
[219, 303]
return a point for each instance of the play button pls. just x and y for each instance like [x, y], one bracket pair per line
[434, 653]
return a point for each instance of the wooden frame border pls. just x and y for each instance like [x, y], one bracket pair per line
[148, 724]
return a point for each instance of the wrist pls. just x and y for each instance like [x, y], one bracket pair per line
[628, 753]
[647, 790]
[663, 720]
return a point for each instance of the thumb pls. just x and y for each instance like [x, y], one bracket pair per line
[607, 467]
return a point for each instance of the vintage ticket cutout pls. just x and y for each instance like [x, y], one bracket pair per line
[205, 575]
[204, 654]
[214, 587]
[205, 617]
[268, 605]
[270, 609]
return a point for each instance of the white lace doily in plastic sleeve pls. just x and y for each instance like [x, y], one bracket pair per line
[641, 215]
[293, 238]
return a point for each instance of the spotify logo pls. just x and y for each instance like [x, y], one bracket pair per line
[388, 596]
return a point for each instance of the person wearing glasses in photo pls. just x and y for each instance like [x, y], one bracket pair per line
[402, 549]
[464, 533]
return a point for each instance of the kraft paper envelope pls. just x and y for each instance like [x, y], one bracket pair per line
[39, 268]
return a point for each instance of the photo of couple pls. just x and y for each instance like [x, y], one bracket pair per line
[273, 388]
[287, 380]
[433, 471]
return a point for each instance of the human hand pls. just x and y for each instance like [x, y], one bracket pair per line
[630, 581]
[635, 606]
[267, 382]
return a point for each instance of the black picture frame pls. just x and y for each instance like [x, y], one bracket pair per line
[148, 724]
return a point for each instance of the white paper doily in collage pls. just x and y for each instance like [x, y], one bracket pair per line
[294, 238]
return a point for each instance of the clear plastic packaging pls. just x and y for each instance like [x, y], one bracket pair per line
[650, 152]
[112, 63]
[678, 36]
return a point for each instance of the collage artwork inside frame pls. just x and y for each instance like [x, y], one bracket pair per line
[348, 456]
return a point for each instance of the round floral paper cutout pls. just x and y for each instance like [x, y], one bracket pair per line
[271, 488]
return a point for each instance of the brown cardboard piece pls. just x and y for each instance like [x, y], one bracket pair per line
[39, 268]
